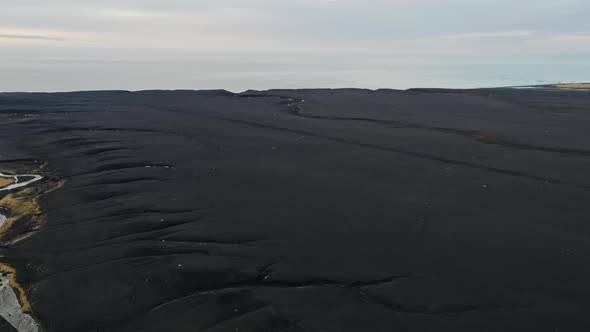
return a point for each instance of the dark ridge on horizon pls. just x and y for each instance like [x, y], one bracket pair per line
[302, 90]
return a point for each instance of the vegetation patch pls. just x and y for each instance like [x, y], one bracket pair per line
[23, 207]
[5, 182]
[573, 86]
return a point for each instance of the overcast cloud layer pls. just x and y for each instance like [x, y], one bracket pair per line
[77, 45]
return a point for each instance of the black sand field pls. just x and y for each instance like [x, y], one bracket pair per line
[307, 210]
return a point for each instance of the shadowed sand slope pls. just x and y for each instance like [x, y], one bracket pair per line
[306, 210]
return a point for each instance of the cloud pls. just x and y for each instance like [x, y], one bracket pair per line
[59, 38]
[33, 37]
[309, 27]
[577, 42]
[490, 34]
[126, 14]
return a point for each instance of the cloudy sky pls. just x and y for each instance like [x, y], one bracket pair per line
[138, 44]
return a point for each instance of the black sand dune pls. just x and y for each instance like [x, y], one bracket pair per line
[308, 210]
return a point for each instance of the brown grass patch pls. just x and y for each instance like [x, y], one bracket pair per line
[21, 204]
[487, 139]
[573, 86]
[5, 182]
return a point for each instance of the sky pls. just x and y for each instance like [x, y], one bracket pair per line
[65, 45]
